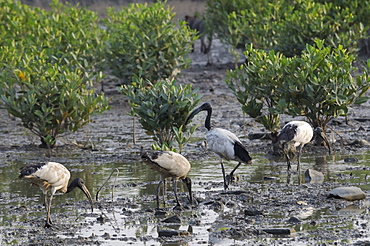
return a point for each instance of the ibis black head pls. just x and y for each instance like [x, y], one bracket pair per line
[79, 183]
[205, 106]
[319, 133]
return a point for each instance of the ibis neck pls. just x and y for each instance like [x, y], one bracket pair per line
[208, 119]
[72, 185]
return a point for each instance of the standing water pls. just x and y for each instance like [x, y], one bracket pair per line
[120, 216]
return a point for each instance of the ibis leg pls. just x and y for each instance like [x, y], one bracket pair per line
[164, 192]
[223, 173]
[289, 165]
[288, 177]
[299, 164]
[231, 175]
[287, 161]
[286, 153]
[157, 192]
[174, 191]
[49, 222]
[299, 157]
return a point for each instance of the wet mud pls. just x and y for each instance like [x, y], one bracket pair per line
[272, 211]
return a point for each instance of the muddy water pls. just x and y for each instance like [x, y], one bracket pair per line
[205, 172]
[136, 180]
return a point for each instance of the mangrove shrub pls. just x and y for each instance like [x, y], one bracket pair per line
[162, 109]
[144, 40]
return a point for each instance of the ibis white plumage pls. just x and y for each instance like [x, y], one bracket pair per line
[169, 164]
[223, 142]
[53, 177]
[299, 133]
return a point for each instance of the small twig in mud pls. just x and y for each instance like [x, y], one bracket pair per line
[134, 130]
[101, 187]
[102, 220]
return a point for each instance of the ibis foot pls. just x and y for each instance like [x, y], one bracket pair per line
[160, 213]
[194, 202]
[232, 178]
[178, 207]
[48, 224]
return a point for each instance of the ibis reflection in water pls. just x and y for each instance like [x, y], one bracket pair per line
[53, 177]
[223, 142]
[169, 164]
[299, 133]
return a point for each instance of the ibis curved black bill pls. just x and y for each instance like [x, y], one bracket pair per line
[87, 193]
[78, 182]
[191, 115]
[187, 181]
[205, 106]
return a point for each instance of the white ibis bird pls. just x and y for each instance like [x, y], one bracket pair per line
[223, 142]
[53, 177]
[169, 165]
[299, 133]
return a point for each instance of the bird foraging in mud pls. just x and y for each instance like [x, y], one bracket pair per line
[299, 133]
[53, 177]
[169, 164]
[223, 142]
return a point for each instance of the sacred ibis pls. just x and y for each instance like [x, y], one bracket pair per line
[223, 142]
[53, 177]
[169, 164]
[299, 133]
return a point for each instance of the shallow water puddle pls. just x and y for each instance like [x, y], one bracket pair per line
[145, 229]
[136, 182]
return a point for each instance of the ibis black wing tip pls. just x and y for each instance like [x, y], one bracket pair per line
[145, 154]
[287, 133]
[151, 155]
[242, 152]
[30, 169]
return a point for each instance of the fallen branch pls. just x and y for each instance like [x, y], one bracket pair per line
[101, 187]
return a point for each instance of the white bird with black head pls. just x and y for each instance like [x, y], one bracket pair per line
[223, 142]
[53, 177]
[169, 164]
[299, 133]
